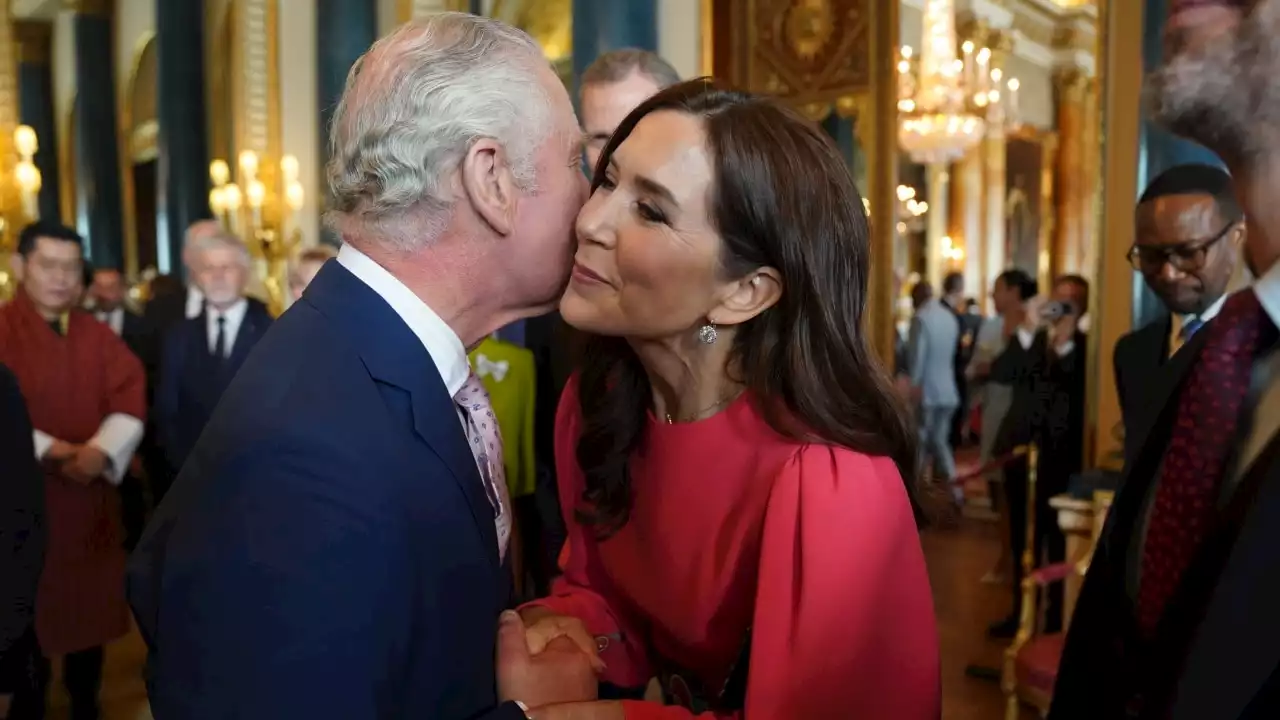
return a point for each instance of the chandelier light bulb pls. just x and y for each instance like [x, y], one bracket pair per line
[25, 141]
[232, 197]
[289, 168]
[249, 163]
[219, 173]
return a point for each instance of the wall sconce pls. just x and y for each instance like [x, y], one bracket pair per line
[268, 223]
[26, 184]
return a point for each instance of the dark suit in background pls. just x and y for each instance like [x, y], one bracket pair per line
[22, 541]
[551, 340]
[1048, 408]
[969, 325]
[132, 328]
[1141, 361]
[193, 379]
[329, 550]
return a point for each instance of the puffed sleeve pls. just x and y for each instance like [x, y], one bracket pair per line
[582, 590]
[844, 623]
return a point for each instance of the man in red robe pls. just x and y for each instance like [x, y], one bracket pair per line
[86, 396]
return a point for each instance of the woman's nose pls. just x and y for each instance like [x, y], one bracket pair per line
[595, 222]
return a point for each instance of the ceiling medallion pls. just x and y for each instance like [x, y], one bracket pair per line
[809, 25]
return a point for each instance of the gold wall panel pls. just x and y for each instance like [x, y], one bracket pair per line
[813, 53]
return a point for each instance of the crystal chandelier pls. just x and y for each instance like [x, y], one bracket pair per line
[946, 102]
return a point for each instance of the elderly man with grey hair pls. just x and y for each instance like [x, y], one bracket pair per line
[203, 353]
[336, 545]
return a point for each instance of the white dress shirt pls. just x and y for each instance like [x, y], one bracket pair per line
[195, 301]
[441, 342]
[1177, 322]
[233, 319]
[113, 319]
[118, 437]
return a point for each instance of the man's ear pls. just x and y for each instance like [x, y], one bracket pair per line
[489, 185]
[747, 297]
[18, 265]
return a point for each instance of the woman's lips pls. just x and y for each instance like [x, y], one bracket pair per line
[585, 274]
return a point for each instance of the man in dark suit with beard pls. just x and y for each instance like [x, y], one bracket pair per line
[1177, 617]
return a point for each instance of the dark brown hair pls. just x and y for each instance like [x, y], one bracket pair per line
[783, 198]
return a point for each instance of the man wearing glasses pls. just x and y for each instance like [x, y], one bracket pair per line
[1189, 229]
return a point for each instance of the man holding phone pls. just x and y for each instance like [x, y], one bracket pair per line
[1046, 367]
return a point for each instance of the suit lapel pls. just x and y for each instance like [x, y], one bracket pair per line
[394, 355]
[1236, 646]
[245, 336]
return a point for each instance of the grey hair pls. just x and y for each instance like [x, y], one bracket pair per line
[617, 65]
[412, 107]
[201, 243]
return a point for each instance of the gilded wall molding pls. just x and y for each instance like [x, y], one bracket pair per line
[256, 87]
[35, 41]
[99, 8]
[10, 201]
[407, 10]
[811, 53]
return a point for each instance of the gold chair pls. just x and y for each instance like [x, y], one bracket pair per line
[1031, 661]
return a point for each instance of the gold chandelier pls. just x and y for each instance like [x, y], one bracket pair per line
[946, 103]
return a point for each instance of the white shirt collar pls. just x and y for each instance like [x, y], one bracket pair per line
[195, 301]
[113, 319]
[233, 314]
[441, 342]
[1267, 288]
[233, 318]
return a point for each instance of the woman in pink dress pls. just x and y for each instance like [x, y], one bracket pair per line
[736, 471]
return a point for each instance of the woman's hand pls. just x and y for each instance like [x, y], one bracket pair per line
[580, 711]
[542, 626]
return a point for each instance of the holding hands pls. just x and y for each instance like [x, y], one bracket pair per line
[549, 662]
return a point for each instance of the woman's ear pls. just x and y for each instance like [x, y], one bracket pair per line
[747, 297]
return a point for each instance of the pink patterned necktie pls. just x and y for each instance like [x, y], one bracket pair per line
[486, 447]
[1204, 434]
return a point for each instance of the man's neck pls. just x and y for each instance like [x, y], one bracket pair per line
[453, 287]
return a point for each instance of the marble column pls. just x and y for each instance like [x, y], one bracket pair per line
[35, 104]
[966, 220]
[937, 228]
[1073, 193]
[99, 199]
[182, 181]
[599, 27]
[993, 213]
[344, 30]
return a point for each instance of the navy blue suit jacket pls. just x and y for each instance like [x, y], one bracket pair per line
[328, 550]
[192, 380]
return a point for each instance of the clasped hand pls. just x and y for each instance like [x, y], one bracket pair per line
[82, 463]
[545, 660]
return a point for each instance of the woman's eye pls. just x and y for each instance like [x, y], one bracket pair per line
[607, 183]
[649, 213]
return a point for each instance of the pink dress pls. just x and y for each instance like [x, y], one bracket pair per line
[811, 549]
